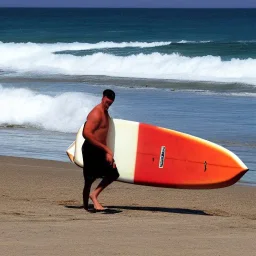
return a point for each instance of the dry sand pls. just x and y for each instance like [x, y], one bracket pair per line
[41, 214]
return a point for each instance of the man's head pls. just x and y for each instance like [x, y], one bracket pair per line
[108, 98]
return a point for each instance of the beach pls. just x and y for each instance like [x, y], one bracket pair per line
[41, 214]
[189, 70]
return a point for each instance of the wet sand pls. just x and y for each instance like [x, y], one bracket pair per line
[41, 214]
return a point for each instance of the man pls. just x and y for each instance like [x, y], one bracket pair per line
[97, 156]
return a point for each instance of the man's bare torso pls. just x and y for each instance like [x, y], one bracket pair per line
[101, 132]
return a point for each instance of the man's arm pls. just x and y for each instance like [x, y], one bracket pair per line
[92, 123]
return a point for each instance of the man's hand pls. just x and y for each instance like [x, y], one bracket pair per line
[109, 158]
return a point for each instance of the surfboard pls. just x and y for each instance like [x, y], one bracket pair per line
[156, 156]
[71, 152]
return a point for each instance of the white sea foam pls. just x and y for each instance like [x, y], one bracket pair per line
[236, 94]
[41, 59]
[65, 112]
[193, 42]
[76, 46]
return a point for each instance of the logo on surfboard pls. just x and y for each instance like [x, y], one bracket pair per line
[162, 157]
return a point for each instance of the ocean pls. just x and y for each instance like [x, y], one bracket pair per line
[191, 70]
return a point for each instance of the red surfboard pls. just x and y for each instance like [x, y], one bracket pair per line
[155, 156]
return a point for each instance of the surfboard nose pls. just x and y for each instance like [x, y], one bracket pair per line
[226, 176]
[235, 179]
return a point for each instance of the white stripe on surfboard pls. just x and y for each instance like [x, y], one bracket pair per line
[123, 141]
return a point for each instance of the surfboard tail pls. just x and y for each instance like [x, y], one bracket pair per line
[71, 152]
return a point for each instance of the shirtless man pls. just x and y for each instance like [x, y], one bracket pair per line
[97, 156]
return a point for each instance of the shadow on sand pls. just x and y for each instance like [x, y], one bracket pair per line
[112, 209]
[161, 209]
[92, 210]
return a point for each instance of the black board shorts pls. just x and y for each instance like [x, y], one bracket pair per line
[95, 163]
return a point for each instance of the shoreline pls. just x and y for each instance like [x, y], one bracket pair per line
[239, 183]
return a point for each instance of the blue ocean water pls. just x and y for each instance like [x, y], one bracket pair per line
[191, 70]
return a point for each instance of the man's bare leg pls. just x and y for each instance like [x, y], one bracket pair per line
[94, 195]
[87, 187]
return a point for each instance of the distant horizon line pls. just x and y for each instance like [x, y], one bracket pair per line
[76, 7]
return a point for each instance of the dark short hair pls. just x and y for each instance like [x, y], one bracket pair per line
[109, 94]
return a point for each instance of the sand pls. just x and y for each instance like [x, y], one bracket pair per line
[41, 214]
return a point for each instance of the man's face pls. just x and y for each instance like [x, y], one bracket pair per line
[106, 102]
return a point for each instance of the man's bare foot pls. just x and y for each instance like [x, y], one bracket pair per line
[97, 205]
[89, 210]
